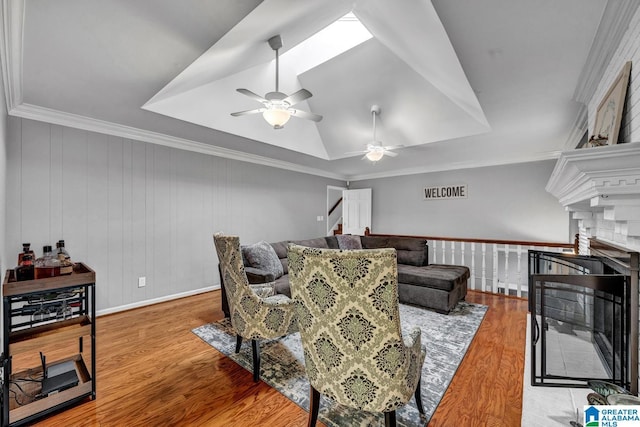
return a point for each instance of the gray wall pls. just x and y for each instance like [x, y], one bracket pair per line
[504, 202]
[130, 209]
[3, 176]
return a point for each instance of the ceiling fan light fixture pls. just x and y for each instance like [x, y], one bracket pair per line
[374, 155]
[276, 117]
[276, 106]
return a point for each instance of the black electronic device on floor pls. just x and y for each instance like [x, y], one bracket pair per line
[58, 376]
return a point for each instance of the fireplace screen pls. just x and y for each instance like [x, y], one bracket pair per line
[580, 320]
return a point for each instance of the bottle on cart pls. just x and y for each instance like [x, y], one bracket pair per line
[25, 270]
[66, 265]
[47, 265]
[26, 249]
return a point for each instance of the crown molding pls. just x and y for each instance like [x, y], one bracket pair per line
[613, 25]
[47, 115]
[34, 112]
[11, 50]
[550, 155]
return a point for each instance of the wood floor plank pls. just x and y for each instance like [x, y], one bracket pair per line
[152, 371]
[483, 385]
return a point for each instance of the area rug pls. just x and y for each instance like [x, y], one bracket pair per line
[446, 338]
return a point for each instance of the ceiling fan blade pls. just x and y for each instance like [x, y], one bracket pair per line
[305, 115]
[355, 152]
[390, 153]
[392, 147]
[246, 112]
[299, 96]
[252, 95]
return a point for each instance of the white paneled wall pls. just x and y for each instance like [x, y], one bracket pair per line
[628, 50]
[130, 209]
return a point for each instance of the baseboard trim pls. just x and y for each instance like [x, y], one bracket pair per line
[155, 301]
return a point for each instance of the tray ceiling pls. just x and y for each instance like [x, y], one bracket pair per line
[426, 95]
[460, 84]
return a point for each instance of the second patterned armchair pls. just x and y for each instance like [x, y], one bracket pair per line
[349, 322]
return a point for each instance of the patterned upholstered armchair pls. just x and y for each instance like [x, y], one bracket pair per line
[256, 311]
[348, 316]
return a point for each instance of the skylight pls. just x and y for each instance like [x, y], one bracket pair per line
[335, 39]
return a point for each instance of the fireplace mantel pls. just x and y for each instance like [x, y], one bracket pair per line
[601, 186]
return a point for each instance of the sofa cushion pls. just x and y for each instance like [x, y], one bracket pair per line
[319, 242]
[437, 276]
[332, 242]
[348, 241]
[374, 242]
[280, 248]
[281, 285]
[411, 250]
[261, 255]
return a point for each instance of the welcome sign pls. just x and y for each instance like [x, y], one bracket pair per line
[443, 192]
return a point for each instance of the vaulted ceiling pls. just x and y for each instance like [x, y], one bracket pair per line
[459, 83]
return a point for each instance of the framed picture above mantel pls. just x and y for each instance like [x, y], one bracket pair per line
[606, 128]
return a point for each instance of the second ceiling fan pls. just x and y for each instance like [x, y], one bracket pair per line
[277, 106]
[375, 150]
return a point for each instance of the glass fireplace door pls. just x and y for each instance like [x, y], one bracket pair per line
[579, 321]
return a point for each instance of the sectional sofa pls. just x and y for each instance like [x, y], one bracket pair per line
[434, 286]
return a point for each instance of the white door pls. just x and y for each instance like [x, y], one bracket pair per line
[356, 211]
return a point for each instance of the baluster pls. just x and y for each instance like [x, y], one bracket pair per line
[444, 247]
[462, 254]
[519, 272]
[434, 252]
[484, 267]
[453, 253]
[506, 269]
[473, 265]
[495, 269]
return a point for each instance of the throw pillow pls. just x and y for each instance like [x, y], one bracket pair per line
[261, 255]
[348, 241]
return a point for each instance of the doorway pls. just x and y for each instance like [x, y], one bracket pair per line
[334, 207]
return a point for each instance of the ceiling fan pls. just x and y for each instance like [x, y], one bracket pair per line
[277, 106]
[375, 150]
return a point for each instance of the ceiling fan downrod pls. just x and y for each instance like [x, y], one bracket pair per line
[276, 43]
[375, 109]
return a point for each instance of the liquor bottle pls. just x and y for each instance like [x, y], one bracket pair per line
[66, 266]
[47, 265]
[26, 249]
[25, 270]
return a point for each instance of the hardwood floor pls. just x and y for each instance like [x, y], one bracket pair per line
[152, 371]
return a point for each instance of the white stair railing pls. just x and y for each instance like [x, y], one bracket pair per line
[498, 267]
